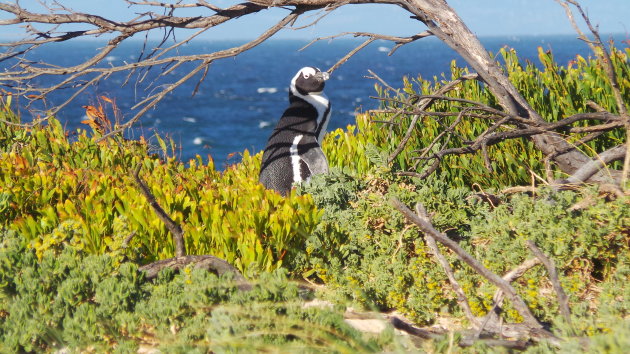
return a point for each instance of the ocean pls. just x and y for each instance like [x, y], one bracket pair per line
[241, 98]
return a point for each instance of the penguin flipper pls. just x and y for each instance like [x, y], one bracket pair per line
[316, 161]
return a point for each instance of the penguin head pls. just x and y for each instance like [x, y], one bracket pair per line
[308, 80]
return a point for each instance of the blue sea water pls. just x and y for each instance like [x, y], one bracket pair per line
[241, 98]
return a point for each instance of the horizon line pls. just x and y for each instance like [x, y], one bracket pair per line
[344, 38]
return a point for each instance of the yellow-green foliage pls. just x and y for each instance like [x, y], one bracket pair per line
[55, 191]
[349, 149]
[553, 91]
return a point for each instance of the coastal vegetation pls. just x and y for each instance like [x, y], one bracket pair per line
[75, 229]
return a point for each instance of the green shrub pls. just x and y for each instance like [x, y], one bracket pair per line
[55, 191]
[69, 300]
[367, 253]
[589, 246]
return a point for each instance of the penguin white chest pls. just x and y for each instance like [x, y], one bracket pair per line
[296, 159]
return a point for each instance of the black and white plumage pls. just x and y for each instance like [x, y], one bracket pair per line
[293, 152]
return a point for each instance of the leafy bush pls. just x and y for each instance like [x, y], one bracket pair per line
[55, 191]
[367, 253]
[77, 301]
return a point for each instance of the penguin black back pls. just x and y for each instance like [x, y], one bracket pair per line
[293, 151]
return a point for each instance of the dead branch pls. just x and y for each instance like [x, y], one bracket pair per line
[374, 76]
[371, 37]
[595, 165]
[422, 105]
[510, 129]
[444, 23]
[490, 321]
[199, 3]
[206, 262]
[172, 226]
[563, 299]
[350, 54]
[375, 322]
[415, 331]
[181, 260]
[595, 45]
[519, 189]
[534, 327]
[22, 72]
[462, 300]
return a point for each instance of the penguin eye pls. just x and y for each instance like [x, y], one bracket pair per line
[306, 76]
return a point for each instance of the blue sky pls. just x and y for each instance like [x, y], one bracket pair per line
[484, 17]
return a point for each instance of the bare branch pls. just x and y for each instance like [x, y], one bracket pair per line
[497, 300]
[200, 3]
[423, 104]
[598, 48]
[210, 263]
[610, 72]
[379, 79]
[151, 101]
[462, 300]
[172, 226]
[350, 54]
[25, 71]
[563, 299]
[489, 137]
[371, 37]
[600, 161]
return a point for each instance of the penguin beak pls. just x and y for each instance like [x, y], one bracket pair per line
[322, 75]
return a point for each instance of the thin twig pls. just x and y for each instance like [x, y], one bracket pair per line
[379, 79]
[423, 104]
[350, 54]
[609, 68]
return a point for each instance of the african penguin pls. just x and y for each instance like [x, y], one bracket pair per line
[293, 151]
